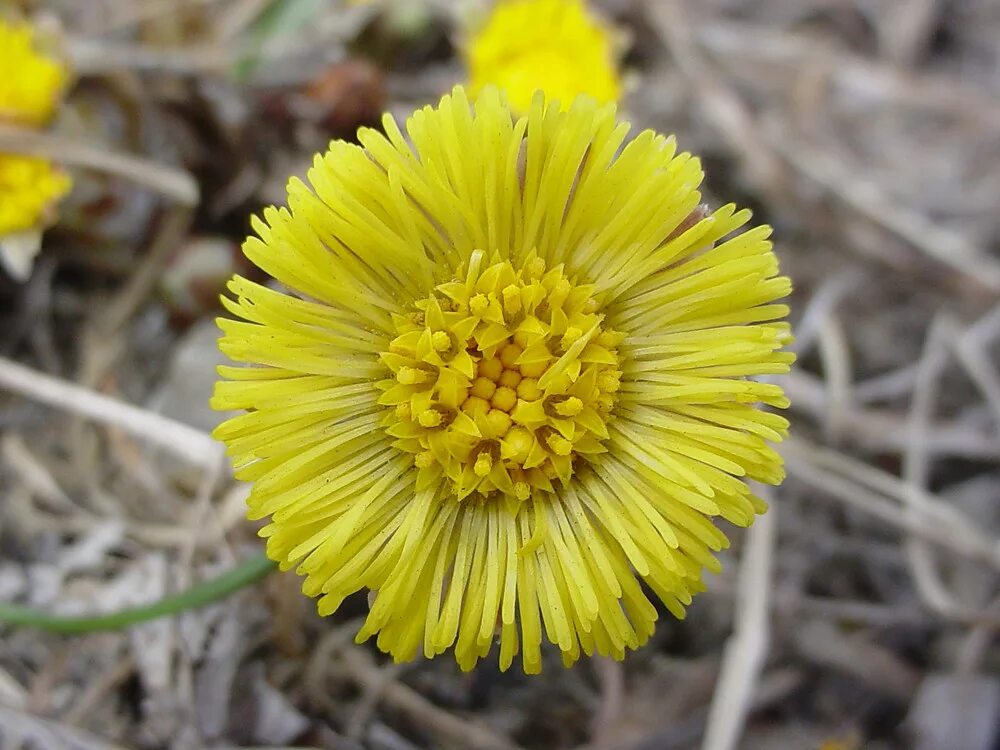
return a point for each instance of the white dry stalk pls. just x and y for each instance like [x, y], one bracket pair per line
[738, 43]
[970, 348]
[765, 155]
[723, 108]
[868, 200]
[129, 13]
[18, 251]
[22, 729]
[183, 441]
[171, 182]
[821, 305]
[886, 386]
[747, 649]
[878, 493]
[916, 468]
[882, 431]
[836, 357]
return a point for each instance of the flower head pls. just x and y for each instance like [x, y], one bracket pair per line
[30, 82]
[29, 188]
[553, 45]
[512, 382]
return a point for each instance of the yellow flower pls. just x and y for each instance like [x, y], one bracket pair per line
[552, 45]
[29, 188]
[512, 381]
[30, 82]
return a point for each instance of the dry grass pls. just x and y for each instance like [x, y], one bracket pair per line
[862, 611]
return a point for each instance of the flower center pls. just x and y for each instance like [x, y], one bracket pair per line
[503, 379]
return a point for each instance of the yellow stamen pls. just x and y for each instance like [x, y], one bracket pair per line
[484, 464]
[429, 418]
[502, 400]
[478, 305]
[570, 407]
[411, 376]
[440, 341]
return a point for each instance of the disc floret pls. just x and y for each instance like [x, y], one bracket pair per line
[504, 378]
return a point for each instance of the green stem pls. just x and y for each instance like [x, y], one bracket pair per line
[197, 596]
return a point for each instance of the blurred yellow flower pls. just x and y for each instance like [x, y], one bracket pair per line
[553, 45]
[29, 188]
[31, 83]
[511, 382]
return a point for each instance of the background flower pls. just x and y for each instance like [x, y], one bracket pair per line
[31, 85]
[31, 82]
[557, 46]
[512, 384]
[28, 189]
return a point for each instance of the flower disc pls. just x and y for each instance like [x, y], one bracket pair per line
[509, 387]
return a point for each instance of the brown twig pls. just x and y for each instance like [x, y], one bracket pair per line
[358, 665]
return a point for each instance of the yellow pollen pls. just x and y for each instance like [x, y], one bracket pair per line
[483, 388]
[478, 305]
[560, 445]
[429, 418]
[440, 341]
[411, 376]
[476, 407]
[510, 378]
[511, 299]
[528, 389]
[505, 398]
[505, 419]
[609, 382]
[491, 368]
[483, 465]
[570, 407]
[498, 422]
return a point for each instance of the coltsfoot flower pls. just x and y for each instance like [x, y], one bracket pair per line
[31, 85]
[29, 189]
[511, 382]
[553, 45]
[31, 82]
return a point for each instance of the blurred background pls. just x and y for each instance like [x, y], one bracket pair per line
[862, 612]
